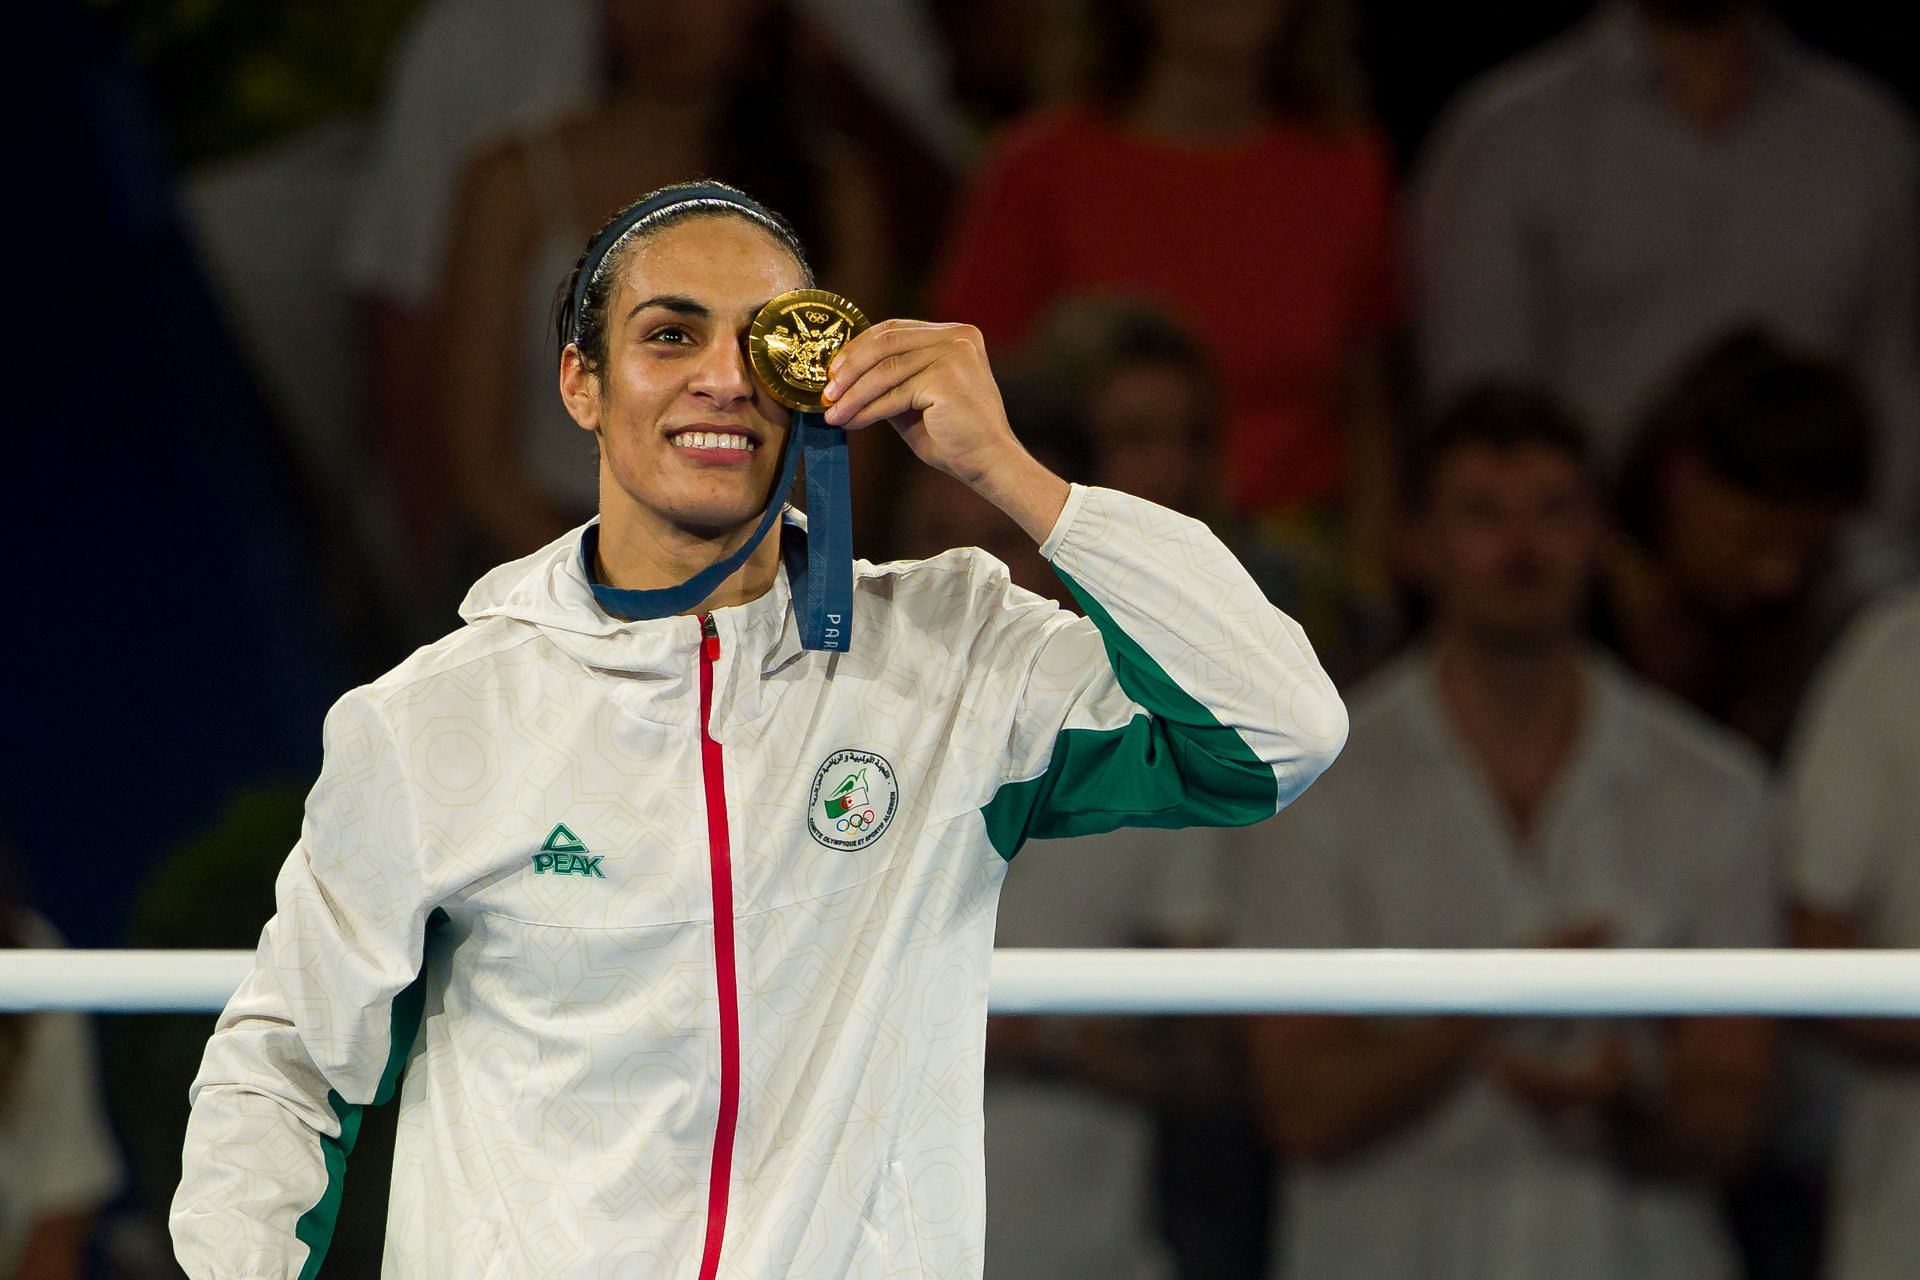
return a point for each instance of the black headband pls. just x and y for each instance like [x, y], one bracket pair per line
[715, 197]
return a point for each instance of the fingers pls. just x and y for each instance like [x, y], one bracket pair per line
[891, 403]
[887, 354]
[869, 348]
[857, 403]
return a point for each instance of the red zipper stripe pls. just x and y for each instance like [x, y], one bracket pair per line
[720, 859]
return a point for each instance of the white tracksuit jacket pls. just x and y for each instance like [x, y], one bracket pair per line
[675, 950]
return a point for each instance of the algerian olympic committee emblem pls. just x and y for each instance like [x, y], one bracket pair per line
[852, 800]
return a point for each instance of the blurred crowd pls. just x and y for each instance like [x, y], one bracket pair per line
[1565, 386]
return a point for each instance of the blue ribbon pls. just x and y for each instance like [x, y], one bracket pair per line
[819, 563]
[826, 622]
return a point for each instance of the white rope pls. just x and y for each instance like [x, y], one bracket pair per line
[1786, 983]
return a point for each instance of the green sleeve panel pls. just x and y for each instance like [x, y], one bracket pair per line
[315, 1228]
[1172, 765]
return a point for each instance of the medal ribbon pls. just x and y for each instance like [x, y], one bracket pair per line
[827, 582]
[821, 583]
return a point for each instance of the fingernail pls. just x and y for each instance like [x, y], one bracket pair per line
[833, 414]
[832, 392]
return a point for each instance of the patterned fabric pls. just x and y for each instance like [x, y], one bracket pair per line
[561, 1032]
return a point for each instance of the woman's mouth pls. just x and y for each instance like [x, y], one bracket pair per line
[714, 441]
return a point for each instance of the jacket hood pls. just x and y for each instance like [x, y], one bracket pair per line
[549, 590]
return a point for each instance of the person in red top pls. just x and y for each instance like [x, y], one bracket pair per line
[1223, 167]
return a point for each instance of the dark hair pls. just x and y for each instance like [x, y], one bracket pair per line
[1312, 71]
[1499, 415]
[1767, 418]
[581, 314]
[1111, 331]
[1085, 339]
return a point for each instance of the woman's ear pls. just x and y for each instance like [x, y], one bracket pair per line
[579, 389]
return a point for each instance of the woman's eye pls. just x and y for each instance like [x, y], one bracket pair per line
[672, 333]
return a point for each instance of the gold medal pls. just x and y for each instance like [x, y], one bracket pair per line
[793, 340]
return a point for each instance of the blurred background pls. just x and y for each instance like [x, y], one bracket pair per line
[1555, 365]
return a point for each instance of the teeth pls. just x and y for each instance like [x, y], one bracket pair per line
[712, 440]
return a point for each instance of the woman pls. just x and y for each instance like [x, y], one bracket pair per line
[1219, 164]
[678, 930]
[694, 91]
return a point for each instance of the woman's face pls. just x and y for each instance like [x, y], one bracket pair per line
[688, 438]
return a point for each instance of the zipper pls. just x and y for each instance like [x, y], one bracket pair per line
[720, 861]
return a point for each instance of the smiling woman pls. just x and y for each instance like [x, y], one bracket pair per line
[653, 363]
[710, 909]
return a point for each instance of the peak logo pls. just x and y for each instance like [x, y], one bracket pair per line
[565, 854]
[567, 864]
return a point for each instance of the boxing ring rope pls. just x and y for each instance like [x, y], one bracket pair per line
[1598, 982]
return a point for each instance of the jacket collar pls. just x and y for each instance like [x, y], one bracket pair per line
[549, 590]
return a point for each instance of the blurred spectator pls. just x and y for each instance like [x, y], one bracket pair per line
[1008, 55]
[1070, 1102]
[264, 109]
[1731, 502]
[1111, 391]
[57, 1162]
[1593, 213]
[1851, 812]
[1144, 394]
[476, 71]
[472, 71]
[1221, 165]
[1539, 796]
[1138, 388]
[469, 71]
[265, 229]
[693, 89]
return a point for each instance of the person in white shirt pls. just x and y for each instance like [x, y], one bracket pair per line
[1852, 808]
[1506, 786]
[1594, 213]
